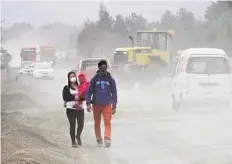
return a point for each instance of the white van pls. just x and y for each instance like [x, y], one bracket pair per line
[43, 69]
[90, 63]
[89, 66]
[202, 76]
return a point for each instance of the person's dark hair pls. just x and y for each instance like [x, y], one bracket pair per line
[102, 62]
[69, 82]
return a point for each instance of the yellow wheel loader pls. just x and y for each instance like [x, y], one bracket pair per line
[152, 47]
[151, 54]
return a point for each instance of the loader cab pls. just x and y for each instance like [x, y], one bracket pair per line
[160, 43]
[155, 39]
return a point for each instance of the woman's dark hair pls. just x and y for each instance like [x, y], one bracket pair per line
[69, 82]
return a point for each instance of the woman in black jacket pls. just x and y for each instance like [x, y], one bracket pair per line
[74, 109]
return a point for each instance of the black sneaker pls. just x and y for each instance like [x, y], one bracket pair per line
[107, 143]
[99, 142]
[79, 142]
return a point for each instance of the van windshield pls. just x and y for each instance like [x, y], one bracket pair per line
[90, 64]
[208, 65]
[43, 66]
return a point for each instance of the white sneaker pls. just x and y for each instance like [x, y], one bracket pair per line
[107, 143]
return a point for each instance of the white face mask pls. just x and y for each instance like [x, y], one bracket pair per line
[73, 79]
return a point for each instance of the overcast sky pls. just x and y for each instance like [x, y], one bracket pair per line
[75, 12]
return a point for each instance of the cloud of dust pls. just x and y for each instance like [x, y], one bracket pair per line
[14, 46]
[145, 93]
[58, 35]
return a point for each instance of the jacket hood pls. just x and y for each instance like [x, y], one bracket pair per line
[83, 77]
[107, 74]
[69, 82]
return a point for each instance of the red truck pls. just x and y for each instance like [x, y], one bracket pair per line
[28, 58]
[31, 55]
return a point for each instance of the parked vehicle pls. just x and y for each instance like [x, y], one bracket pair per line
[43, 69]
[89, 66]
[201, 76]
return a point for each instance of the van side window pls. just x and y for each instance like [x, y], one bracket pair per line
[179, 66]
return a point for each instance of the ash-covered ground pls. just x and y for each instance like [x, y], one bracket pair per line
[145, 128]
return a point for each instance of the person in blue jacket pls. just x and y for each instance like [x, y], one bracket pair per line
[101, 98]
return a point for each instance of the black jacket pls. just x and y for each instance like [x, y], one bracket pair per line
[67, 96]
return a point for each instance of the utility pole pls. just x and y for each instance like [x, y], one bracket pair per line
[132, 44]
[2, 38]
[3, 52]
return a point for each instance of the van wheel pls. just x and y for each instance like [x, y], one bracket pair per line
[175, 105]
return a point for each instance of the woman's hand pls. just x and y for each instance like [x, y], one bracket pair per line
[77, 98]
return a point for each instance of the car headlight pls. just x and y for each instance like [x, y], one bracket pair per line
[124, 52]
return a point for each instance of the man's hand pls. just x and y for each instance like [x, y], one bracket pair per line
[89, 108]
[113, 110]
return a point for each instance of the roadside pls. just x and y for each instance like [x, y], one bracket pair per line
[35, 132]
[20, 141]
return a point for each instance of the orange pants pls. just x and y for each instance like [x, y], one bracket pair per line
[106, 111]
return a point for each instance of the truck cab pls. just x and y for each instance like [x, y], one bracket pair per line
[28, 58]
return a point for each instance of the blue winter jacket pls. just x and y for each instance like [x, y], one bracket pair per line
[102, 91]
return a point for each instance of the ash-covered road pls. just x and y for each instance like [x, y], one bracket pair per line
[145, 129]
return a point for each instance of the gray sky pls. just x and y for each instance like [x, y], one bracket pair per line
[75, 12]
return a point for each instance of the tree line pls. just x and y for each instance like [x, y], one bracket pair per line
[101, 37]
[25, 34]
